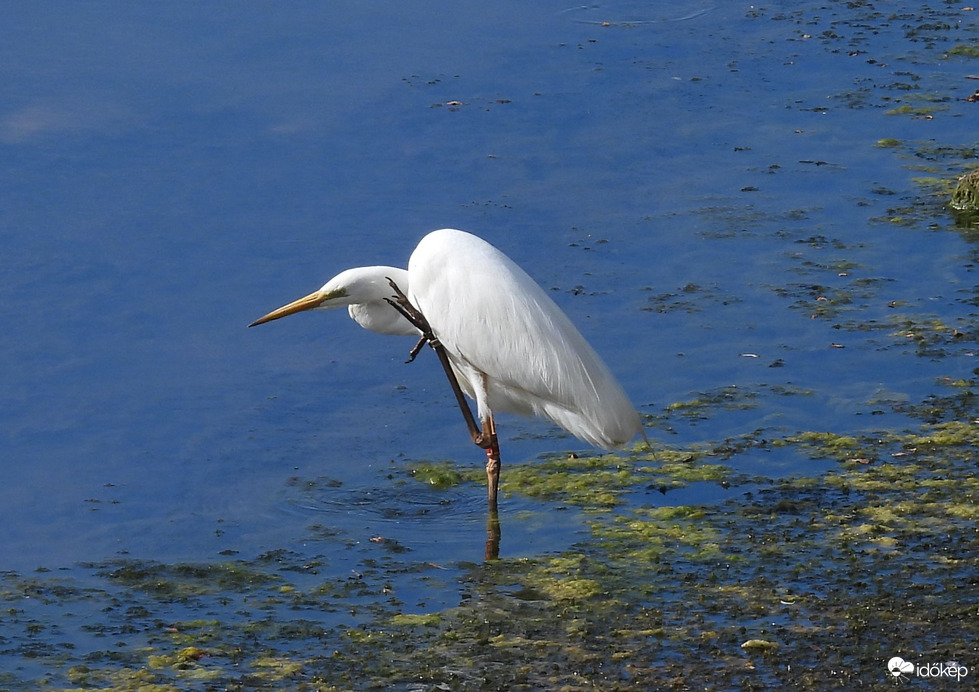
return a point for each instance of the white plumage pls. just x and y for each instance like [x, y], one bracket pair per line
[511, 346]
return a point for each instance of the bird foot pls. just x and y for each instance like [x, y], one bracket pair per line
[416, 349]
[401, 303]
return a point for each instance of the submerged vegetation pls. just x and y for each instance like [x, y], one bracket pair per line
[791, 583]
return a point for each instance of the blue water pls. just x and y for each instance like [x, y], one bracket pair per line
[172, 171]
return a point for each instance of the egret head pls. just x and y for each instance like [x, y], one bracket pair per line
[363, 290]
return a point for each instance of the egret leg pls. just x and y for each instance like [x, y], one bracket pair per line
[480, 437]
[493, 532]
[484, 436]
[492, 461]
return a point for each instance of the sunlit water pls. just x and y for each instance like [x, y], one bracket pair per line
[679, 176]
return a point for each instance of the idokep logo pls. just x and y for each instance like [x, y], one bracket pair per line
[902, 669]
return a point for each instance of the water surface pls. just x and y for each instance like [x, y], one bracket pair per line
[703, 188]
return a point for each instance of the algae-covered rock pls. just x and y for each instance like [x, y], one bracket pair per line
[965, 197]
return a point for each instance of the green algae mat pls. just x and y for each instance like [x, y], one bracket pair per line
[800, 583]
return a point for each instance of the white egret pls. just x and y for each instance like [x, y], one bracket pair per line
[499, 336]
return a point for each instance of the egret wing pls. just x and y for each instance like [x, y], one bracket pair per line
[491, 316]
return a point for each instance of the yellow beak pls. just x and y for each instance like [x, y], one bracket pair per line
[313, 300]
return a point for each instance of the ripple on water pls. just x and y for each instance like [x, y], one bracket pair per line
[441, 524]
[637, 12]
[393, 503]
